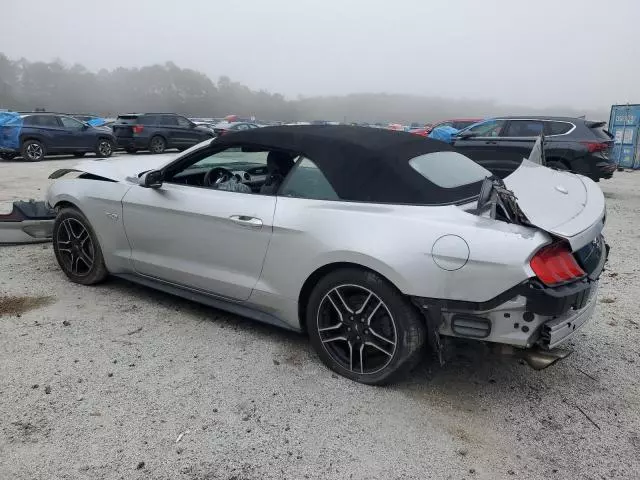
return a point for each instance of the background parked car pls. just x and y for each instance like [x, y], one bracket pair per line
[228, 127]
[574, 144]
[457, 123]
[157, 131]
[34, 135]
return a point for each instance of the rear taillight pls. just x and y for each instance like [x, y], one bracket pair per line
[555, 265]
[594, 147]
[138, 128]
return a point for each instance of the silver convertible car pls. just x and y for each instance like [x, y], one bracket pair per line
[375, 243]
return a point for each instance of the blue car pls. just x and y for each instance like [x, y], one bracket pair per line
[34, 135]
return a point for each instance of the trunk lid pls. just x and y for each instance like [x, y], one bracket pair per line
[566, 205]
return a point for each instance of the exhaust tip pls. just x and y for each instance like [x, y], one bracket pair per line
[540, 359]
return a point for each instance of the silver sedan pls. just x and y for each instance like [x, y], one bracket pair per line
[375, 243]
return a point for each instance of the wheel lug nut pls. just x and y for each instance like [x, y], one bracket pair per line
[358, 337]
[348, 329]
[362, 320]
[350, 318]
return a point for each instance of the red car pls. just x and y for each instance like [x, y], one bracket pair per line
[457, 123]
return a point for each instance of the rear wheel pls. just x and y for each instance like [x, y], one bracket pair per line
[79, 154]
[363, 328]
[33, 150]
[157, 144]
[77, 249]
[104, 148]
[8, 155]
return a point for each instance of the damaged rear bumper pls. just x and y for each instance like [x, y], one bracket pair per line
[28, 222]
[528, 316]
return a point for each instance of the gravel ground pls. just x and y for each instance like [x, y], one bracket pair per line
[120, 381]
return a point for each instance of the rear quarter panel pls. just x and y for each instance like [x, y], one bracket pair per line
[396, 241]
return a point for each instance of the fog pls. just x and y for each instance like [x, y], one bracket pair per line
[582, 55]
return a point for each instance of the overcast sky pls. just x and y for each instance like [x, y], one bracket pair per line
[526, 52]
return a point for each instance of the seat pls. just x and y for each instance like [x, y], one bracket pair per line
[278, 166]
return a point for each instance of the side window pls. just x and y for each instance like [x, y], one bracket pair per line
[183, 122]
[489, 128]
[169, 120]
[307, 181]
[45, 121]
[242, 126]
[30, 121]
[558, 128]
[148, 120]
[68, 122]
[524, 128]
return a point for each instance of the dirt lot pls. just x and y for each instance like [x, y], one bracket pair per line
[119, 381]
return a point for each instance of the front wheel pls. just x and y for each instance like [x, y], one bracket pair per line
[33, 150]
[104, 148]
[363, 328]
[157, 144]
[77, 249]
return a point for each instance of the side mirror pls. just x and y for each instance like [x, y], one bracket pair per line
[85, 126]
[151, 179]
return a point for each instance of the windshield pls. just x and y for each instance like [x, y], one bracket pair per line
[231, 156]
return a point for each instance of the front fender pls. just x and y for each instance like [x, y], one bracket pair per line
[101, 203]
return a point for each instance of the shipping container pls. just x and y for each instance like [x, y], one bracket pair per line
[624, 125]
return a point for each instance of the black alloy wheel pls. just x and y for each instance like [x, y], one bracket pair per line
[157, 145]
[76, 248]
[104, 148]
[363, 328]
[33, 151]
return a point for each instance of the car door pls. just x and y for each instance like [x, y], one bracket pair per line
[518, 138]
[484, 146]
[187, 134]
[169, 128]
[48, 129]
[76, 133]
[201, 238]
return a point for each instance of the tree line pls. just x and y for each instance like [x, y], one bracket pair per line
[54, 86]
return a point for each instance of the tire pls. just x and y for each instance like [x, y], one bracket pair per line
[372, 302]
[130, 150]
[33, 151]
[79, 154]
[104, 149]
[157, 144]
[77, 249]
[8, 155]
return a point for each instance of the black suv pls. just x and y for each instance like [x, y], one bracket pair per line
[157, 131]
[574, 144]
[34, 135]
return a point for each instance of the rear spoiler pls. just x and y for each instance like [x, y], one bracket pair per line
[595, 124]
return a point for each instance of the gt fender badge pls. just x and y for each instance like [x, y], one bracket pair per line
[112, 215]
[561, 189]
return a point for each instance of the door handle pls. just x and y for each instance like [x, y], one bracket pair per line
[491, 142]
[246, 221]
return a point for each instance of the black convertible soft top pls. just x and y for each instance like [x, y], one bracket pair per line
[361, 163]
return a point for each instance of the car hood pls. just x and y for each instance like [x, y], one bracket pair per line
[120, 169]
[564, 204]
